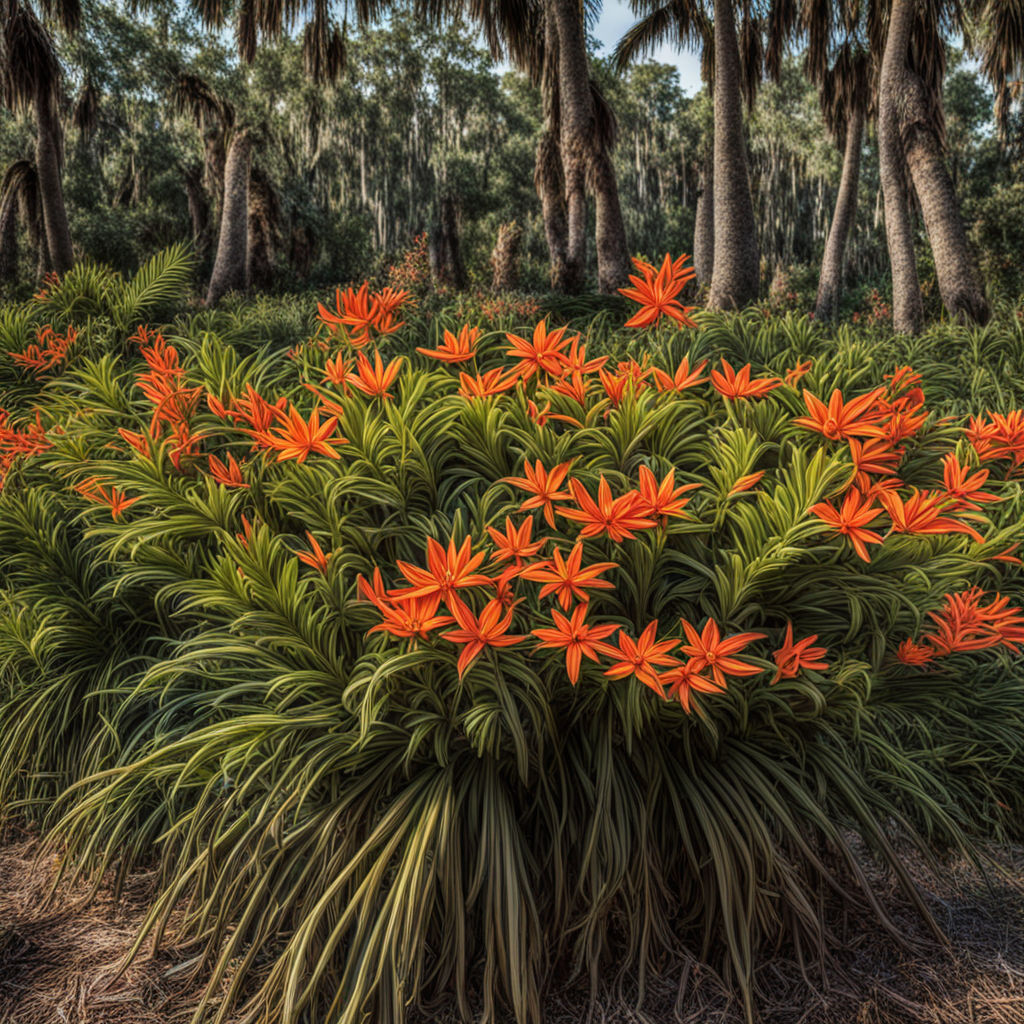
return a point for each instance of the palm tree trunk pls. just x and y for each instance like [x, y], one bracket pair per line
[198, 209]
[955, 266]
[704, 228]
[506, 256]
[9, 239]
[60, 255]
[831, 282]
[908, 311]
[549, 182]
[577, 131]
[734, 281]
[612, 254]
[231, 267]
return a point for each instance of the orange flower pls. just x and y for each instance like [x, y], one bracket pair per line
[840, 420]
[411, 618]
[641, 658]
[575, 386]
[354, 311]
[686, 680]
[578, 639]
[662, 499]
[446, 572]
[911, 653]
[964, 490]
[707, 649]
[735, 384]
[921, 514]
[656, 292]
[455, 349]
[794, 376]
[543, 485]
[515, 542]
[386, 304]
[576, 361]
[617, 518]
[115, 500]
[139, 441]
[374, 380]
[485, 385]
[230, 475]
[255, 410]
[566, 578]
[791, 657]
[489, 630]
[315, 557]
[51, 349]
[873, 455]
[745, 483]
[855, 514]
[337, 372]
[1002, 438]
[615, 386]
[682, 379]
[542, 354]
[298, 439]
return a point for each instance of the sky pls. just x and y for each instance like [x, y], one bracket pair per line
[616, 18]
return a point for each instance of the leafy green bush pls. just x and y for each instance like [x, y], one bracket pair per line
[348, 820]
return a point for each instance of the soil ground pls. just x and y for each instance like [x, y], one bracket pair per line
[59, 960]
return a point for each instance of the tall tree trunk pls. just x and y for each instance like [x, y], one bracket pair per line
[955, 265]
[550, 185]
[908, 311]
[831, 282]
[198, 209]
[9, 239]
[263, 217]
[449, 268]
[735, 279]
[577, 131]
[704, 228]
[612, 253]
[60, 255]
[231, 267]
[505, 258]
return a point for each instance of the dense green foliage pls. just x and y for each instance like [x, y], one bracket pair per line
[349, 824]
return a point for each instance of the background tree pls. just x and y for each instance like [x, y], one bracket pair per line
[32, 79]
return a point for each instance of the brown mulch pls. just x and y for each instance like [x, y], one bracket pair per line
[59, 961]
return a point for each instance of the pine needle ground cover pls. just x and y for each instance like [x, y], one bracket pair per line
[438, 659]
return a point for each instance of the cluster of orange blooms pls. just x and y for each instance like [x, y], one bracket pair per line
[965, 624]
[15, 443]
[363, 314]
[875, 425]
[432, 597]
[50, 281]
[50, 350]
[998, 436]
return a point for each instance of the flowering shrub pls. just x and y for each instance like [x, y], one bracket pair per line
[437, 659]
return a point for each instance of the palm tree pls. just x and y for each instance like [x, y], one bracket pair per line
[911, 143]
[32, 80]
[546, 40]
[19, 194]
[733, 62]
[845, 99]
[231, 267]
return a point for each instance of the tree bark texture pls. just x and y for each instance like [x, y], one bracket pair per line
[830, 283]
[59, 253]
[735, 278]
[231, 267]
